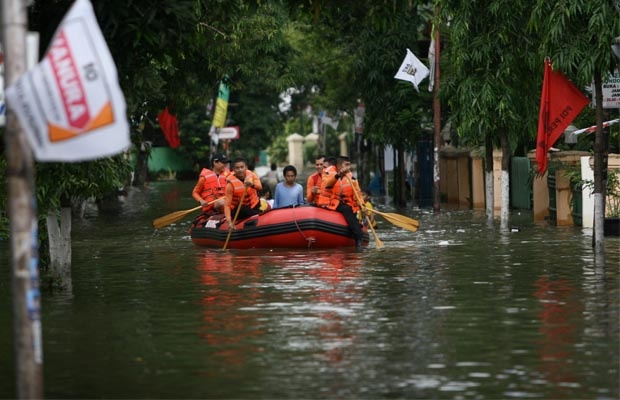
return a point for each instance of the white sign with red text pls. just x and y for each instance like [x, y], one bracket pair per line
[71, 105]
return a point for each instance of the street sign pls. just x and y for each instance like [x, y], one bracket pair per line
[228, 132]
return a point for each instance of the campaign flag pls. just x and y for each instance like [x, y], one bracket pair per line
[70, 104]
[221, 105]
[412, 70]
[170, 126]
[560, 103]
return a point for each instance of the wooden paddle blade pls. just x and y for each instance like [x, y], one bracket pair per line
[400, 223]
[399, 220]
[172, 217]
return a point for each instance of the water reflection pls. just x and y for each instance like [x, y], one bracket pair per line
[559, 309]
[458, 310]
[229, 285]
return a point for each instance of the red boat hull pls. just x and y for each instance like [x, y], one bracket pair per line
[290, 227]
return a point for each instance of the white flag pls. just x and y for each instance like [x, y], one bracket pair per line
[431, 64]
[412, 70]
[331, 122]
[70, 104]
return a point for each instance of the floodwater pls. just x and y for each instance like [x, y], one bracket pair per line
[458, 310]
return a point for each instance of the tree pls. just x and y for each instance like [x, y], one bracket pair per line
[165, 52]
[487, 82]
[589, 26]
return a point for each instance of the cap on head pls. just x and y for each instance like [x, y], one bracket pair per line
[220, 157]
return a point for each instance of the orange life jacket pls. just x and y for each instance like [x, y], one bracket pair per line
[325, 194]
[343, 190]
[213, 186]
[251, 198]
[313, 180]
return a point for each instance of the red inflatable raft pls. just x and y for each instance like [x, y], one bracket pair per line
[289, 227]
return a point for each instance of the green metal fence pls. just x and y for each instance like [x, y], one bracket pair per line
[520, 183]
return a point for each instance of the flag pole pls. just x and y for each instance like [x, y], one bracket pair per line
[436, 120]
[23, 219]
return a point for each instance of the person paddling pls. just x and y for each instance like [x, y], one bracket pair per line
[209, 191]
[344, 194]
[242, 188]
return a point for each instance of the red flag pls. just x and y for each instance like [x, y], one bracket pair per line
[560, 103]
[170, 126]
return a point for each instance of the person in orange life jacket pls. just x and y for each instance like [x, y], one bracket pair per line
[325, 193]
[211, 185]
[313, 185]
[345, 192]
[239, 180]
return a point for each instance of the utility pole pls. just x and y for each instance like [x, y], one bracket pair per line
[437, 122]
[23, 219]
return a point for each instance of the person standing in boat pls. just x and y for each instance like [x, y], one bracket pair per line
[313, 185]
[210, 189]
[345, 192]
[288, 192]
[241, 183]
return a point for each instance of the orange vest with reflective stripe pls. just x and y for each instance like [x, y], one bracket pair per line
[343, 190]
[251, 198]
[213, 186]
[325, 194]
[313, 180]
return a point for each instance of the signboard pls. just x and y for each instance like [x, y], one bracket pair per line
[611, 91]
[228, 132]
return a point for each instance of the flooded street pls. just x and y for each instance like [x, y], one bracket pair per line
[456, 310]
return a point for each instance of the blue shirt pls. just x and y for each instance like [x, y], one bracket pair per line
[288, 195]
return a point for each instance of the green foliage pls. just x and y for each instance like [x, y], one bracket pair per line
[395, 112]
[58, 184]
[278, 151]
[485, 81]
[577, 35]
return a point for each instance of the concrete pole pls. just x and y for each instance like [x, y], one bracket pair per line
[23, 220]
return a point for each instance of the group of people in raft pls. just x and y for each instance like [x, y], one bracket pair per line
[221, 190]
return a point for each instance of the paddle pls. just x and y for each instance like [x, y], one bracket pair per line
[399, 220]
[232, 224]
[174, 217]
[378, 241]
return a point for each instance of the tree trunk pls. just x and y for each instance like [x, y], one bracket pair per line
[488, 167]
[505, 210]
[600, 170]
[59, 235]
[142, 170]
[401, 182]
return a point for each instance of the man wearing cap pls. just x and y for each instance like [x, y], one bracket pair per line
[211, 186]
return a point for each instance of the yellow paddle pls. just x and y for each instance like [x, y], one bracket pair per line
[399, 220]
[175, 216]
[378, 241]
[234, 221]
